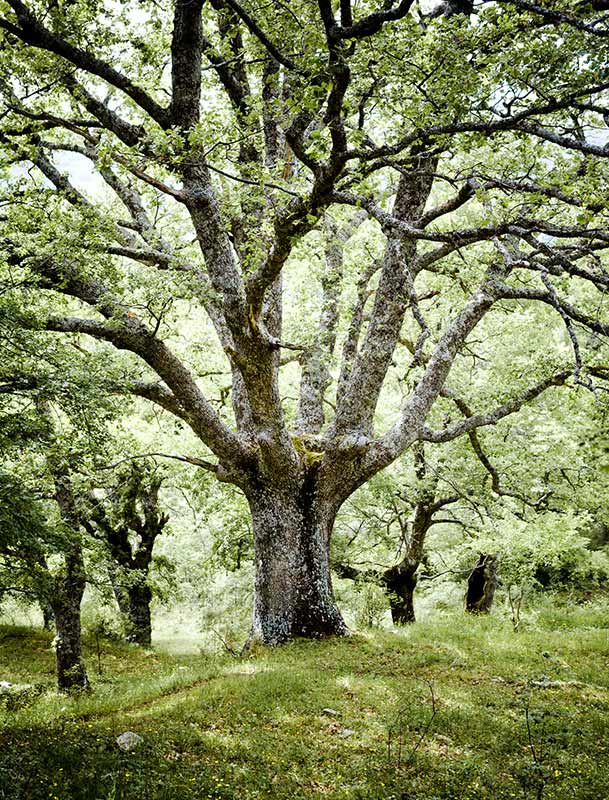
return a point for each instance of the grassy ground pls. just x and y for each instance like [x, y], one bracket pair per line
[436, 711]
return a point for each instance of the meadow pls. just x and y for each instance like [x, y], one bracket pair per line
[456, 707]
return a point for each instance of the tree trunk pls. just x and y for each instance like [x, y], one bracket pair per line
[48, 617]
[293, 588]
[400, 582]
[68, 588]
[71, 673]
[138, 626]
[481, 585]
[133, 597]
[134, 507]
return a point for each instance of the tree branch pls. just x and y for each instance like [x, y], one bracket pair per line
[504, 410]
[33, 32]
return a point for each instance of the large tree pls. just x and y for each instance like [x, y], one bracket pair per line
[230, 138]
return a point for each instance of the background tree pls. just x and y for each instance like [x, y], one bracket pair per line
[128, 519]
[411, 512]
[53, 427]
[212, 196]
[45, 556]
[485, 491]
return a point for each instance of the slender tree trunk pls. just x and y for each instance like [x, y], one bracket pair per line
[48, 617]
[401, 581]
[293, 588]
[481, 585]
[71, 673]
[68, 589]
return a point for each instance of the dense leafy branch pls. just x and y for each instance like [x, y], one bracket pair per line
[210, 204]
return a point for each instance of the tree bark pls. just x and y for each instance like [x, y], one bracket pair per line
[68, 587]
[134, 605]
[71, 672]
[481, 585]
[293, 589]
[400, 582]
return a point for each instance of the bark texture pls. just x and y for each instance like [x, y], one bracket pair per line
[293, 590]
[67, 588]
[400, 582]
[71, 672]
[481, 585]
[133, 597]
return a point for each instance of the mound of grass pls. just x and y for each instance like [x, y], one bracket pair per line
[458, 708]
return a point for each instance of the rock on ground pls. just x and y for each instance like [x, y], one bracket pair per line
[128, 740]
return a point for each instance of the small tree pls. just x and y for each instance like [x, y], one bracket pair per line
[48, 429]
[128, 519]
[413, 510]
[29, 540]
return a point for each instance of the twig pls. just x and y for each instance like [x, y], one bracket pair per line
[434, 711]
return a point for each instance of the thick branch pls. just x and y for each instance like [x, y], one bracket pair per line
[186, 48]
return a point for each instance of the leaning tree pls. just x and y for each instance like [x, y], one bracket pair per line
[224, 140]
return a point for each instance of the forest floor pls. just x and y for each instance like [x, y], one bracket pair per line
[456, 708]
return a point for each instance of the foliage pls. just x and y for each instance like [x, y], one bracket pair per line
[548, 550]
[309, 237]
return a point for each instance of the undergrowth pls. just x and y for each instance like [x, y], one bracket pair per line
[456, 708]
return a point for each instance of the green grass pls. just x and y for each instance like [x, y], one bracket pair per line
[216, 727]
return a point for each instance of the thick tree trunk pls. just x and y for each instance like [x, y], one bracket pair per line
[71, 673]
[134, 604]
[293, 590]
[481, 585]
[400, 582]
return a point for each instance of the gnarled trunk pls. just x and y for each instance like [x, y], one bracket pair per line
[293, 590]
[400, 582]
[481, 585]
[134, 605]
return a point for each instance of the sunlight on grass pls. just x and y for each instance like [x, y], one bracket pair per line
[259, 727]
